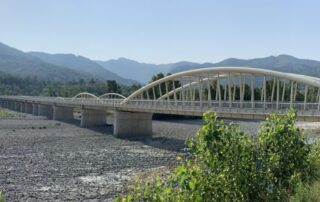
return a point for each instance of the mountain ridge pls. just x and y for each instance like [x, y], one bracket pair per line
[66, 67]
[282, 62]
[83, 64]
[16, 62]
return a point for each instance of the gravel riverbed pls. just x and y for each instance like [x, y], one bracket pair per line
[46, 160]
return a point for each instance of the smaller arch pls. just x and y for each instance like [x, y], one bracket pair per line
[85, 95]
[59, 98]
[112, 95]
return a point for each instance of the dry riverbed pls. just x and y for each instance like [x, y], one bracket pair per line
[45, 160]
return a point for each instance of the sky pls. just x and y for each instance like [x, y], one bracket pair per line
[163, 31]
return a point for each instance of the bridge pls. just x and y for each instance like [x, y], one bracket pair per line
[231, 92]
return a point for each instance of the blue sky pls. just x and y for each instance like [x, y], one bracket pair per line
[163, 31]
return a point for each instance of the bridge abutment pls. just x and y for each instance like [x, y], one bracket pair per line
[45, 110]
[62, 113]
[91, 117]
[132, 124]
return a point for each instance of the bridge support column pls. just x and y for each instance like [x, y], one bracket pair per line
[5, 105]
[110, 119]
[45, 110]
[17, 106]
[62, 113]
[11, 105]
[132, 124]
[22, 106]
[35, 109]
[28, 108]
[91, 117]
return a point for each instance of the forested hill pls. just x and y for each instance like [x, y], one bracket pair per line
[14, 85]
[143, 71]
[283, 63]
[55, 68]
[15, 62]
[83, 64]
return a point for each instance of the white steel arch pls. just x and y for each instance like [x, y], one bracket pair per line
[85, 95]
[60, 98]
[229, 85]
[112, 95]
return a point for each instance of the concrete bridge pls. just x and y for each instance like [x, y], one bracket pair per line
[232, 92]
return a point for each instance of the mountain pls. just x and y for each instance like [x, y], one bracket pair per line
[67, 67]
[140, 71]
[82, 64]
[133, 69]
[16, 62]
[143, 71]
[283, 63]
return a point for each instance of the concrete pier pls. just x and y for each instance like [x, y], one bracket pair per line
[12, 105]
[22, 106]
[28, 108]
[17, 106]
[35, 109]
[62, 113]
[110, 119]
[132, 124]
[46, 110]
[90, 118]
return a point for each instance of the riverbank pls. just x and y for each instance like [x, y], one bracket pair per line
[45, 160]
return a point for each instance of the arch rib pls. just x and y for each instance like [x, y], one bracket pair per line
[311, 81]
[106, 95]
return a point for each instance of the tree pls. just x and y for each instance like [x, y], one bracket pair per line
[113, 87]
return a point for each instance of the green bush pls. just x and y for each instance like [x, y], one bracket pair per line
[227, 165]
[283, 156]
[306, 192]
[5, 114]
[1, 197]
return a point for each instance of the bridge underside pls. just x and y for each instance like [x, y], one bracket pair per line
[125, 124]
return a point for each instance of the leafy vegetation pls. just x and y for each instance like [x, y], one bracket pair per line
[12, 85]
[227, 165]
[1, 197]
[5, 114]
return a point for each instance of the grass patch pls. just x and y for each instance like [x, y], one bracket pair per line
[307, 193]
[1, 197]
[5, 114]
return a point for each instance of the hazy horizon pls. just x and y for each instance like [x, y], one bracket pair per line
[163, 31]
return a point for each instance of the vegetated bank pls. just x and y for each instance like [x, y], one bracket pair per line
[228, 165]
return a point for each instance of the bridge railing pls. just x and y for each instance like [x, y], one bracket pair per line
[222, 106]
[91, 101]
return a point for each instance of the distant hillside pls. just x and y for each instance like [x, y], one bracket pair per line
[143, 71]
[134, 70]
[139, 71]
[284, 63]
[18, 63]
[67, 67]
[82, 64]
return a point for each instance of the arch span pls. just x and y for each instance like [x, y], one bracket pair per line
[85, 95]
[232, 84]
[112, 95]
[60, 99]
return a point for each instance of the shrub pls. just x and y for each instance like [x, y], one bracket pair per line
[227, 165]
[1, 197]
[283, 156]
